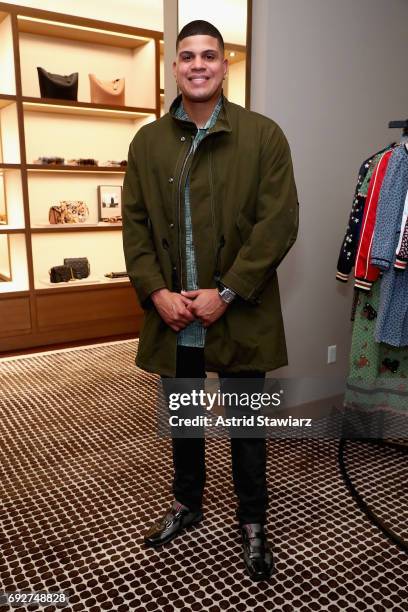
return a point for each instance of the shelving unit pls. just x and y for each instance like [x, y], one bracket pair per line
[33, 312]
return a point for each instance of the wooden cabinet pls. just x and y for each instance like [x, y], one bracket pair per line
[32, 311]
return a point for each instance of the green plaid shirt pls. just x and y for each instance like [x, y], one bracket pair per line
[193, 334]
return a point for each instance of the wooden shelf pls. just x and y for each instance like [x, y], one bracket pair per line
[76, 169]
[77, 227]
[71, 287]
[6, 100]
[68, 107]
[31, 313]
[76, 31]
[11, 230]
[12, 294]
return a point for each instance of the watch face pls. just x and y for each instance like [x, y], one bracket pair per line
[227, 295]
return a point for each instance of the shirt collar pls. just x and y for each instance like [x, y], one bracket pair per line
[180, 113]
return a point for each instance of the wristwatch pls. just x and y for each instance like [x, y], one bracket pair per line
[227, 295]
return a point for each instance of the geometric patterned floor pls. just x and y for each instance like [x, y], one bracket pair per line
[82, 473]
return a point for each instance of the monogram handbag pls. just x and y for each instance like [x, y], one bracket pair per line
[79, 265]
[69, 211]
[58, 85]
[107, 92]
[61, 274]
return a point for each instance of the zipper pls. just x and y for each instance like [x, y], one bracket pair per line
[179, 216]
[189, 153]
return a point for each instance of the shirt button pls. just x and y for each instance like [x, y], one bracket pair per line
[182, 138]
[171, 225]
[171, 179]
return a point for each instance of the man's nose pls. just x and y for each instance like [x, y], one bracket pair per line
[198, 63]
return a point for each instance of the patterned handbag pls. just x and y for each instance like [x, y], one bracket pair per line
[69, 211]
[61, 274]
[79, 265]
[57, 85]
[107, 92]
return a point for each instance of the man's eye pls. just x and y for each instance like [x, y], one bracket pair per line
[186, 58]
[210, 57]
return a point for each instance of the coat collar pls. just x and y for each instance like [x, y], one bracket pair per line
[222, 124]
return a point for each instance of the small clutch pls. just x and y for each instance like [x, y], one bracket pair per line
[79, 265]
[62, 87]
[117, 275]
[107, 92]
[47, 161]
[61, 274]
[82, 161]
[68, 211]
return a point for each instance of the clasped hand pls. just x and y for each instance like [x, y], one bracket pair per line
[180, 309]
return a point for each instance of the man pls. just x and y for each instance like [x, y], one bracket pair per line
[210, 210]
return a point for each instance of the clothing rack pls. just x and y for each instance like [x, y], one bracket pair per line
[402, 125]
[400, 445]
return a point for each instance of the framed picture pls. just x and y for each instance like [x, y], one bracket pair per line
[110, 203]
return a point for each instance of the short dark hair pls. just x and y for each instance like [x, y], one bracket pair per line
[199, 26]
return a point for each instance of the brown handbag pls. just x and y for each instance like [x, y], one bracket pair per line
[107, 92]
[69, 211]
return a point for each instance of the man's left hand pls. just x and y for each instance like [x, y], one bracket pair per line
[207, 305]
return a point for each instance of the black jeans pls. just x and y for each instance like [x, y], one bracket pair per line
[248, 454]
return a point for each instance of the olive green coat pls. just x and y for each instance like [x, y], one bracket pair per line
[244, 215]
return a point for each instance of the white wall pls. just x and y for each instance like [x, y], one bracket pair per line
[236, 82]
[7, 85]
[332, 74]
[229, 16]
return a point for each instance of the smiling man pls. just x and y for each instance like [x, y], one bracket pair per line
[210, 210]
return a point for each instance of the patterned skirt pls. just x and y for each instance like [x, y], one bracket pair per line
[378, 375]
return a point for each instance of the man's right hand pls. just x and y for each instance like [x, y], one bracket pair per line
[172, 307]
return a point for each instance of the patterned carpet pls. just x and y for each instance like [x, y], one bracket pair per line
[82, 472]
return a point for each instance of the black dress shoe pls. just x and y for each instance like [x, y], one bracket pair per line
[257, 555]
[173, 522]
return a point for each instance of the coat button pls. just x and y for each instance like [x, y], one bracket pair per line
[182, 138]
[171, 225]
[171, 179]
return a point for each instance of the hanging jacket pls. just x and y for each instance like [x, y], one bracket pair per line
[365, 272]
[402, 248]
[348, 250]
[392, 317]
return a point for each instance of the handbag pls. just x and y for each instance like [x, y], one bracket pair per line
[61, 274]
[69, 211]
[58, 85]
[47, 161]
[82, 161]
[107, 92]
[79, 265]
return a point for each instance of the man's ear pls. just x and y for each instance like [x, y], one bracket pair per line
[225, 62]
